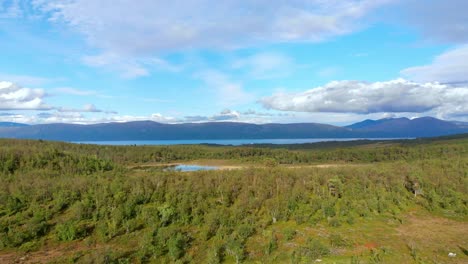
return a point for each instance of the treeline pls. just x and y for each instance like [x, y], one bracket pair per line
[372, 152]
[63, 192]
[50, 158]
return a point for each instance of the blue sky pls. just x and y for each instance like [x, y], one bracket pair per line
[336, 62]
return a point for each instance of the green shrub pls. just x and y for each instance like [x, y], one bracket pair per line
[334, 222]
[316, 249]
[176, 246]
[272, 244]
[289, 233]
[67, 231]
[336, 240]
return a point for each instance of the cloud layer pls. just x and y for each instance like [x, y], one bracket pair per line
[228, 92]
[15, 97]
[153, 25]
[396, 96]
[439, 20]
[449, 67]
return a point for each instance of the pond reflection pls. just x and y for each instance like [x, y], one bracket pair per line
[185, 167]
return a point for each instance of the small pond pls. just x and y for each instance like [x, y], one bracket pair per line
[185, 167]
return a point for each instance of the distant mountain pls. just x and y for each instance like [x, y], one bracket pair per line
[11, 124]
[364, 124]
[460, 123]
[148, 130]
[404, 127]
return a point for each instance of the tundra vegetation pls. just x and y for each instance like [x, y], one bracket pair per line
[393, 202]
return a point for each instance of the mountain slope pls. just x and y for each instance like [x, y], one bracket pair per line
[11, 124]
[148, 130]
[404, 127]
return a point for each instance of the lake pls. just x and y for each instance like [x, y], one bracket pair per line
[186, 167]
[234, 142]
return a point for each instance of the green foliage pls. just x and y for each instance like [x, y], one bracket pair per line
[272, 245]
[176, 245]
[336, 240]
[236, 249]
[315, 249]
[377, 256]
[166, 213]
[215, 254]
[289, 233]
[69, 231]
[65, 192]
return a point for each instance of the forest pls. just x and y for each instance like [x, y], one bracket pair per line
[339, 202]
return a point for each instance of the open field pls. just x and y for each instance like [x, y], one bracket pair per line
[66, 203]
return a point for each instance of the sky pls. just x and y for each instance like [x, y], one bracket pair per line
[262, 61]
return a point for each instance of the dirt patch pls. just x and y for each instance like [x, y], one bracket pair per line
[428, 233]
[46, 254]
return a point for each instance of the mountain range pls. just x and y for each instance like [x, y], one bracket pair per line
[149, 130]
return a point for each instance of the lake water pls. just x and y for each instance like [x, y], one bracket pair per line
[185, 167]
[234, 142]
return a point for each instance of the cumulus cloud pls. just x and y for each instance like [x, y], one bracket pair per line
[449, 67]
[395, 96]
[128, 28]
[15, 97]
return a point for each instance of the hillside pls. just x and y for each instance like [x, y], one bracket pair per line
[11, 124]
[148, 130]
[397, 127]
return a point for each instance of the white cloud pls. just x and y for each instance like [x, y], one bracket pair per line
[129, 66]
[156, 117]
[252, 112]
[396, 96]
[27, 80]
[10, 9]
[74, 91]
[228, 92]
[125, 27]
[438, 20]
[228, 115]
[80, 118]
[449, 67]
[266, 65]
[87, 108]
[15, 97]
[128, 35]
[225, 115]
